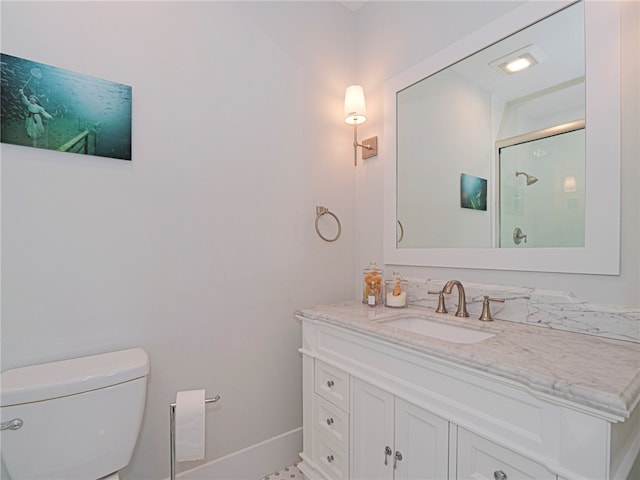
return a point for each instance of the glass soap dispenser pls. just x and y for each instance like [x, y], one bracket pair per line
[396, 292]
[372, 285]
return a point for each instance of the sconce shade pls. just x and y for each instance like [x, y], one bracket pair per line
[355, 109]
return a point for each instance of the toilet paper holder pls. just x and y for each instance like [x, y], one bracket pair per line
[172, 432]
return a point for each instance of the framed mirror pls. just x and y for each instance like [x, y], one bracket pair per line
[451, 201]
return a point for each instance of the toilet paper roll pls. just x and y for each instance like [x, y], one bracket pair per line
[190, 425]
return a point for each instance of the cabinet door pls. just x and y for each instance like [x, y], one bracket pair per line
[371, 433]
[422, 440]
[481, 459]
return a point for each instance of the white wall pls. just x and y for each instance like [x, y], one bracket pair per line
[200, 248]
[393, 37]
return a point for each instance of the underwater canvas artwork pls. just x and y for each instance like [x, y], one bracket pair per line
[56, 109]
[473, 192]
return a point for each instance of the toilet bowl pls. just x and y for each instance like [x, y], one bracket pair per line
[79, 418]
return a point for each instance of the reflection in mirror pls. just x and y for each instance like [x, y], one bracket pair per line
[441, 129]
[449, 123]
[548, 202]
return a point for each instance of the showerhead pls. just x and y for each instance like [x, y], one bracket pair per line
[530, 178]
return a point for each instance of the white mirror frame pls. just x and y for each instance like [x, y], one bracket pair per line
[601, 254]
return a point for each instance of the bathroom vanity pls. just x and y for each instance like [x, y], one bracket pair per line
[463, 399]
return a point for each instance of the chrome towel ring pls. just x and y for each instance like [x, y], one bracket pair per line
[320, 211]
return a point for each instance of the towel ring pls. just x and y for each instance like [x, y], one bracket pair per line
[320, 211]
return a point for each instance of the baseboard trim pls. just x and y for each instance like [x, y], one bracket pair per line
[251, 463]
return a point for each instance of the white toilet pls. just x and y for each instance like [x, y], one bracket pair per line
[75, 419]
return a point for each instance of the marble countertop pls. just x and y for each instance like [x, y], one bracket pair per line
[593, 371]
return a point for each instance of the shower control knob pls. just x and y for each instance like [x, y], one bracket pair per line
[518, 236]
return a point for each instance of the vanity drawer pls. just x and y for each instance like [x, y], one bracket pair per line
[332, 422]
[332, 384]
[330, 458]
[480, 458]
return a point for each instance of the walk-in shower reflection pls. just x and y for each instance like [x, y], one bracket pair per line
[553, 212]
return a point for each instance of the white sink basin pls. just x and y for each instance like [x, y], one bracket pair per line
[442, 331]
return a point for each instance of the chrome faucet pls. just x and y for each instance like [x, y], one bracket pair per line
[462, 299]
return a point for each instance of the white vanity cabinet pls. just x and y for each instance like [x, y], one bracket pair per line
[481, 459]
[393, 439]
[381, 408]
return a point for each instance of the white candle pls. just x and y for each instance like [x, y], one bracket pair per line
[397, 300]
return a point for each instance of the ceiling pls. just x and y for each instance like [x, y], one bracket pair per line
[559, 40]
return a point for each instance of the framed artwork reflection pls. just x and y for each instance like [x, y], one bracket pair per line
[473, 192]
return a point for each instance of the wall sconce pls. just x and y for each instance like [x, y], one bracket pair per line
[355, 113]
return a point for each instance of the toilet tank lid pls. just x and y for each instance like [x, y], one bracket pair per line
[67, 377]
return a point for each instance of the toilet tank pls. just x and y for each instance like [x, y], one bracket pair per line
[81, 417]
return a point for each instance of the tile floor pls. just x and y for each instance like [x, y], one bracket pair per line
[288, 473]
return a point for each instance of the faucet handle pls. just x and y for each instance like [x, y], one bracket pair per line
[485, 316]
[441, 306]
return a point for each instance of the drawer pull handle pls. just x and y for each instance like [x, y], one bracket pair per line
[396, 458]
[330, 458]
[499, 475]
[330, 383]
[387, 452]
[329, 421]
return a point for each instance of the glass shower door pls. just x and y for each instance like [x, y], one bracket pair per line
[542, 191]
